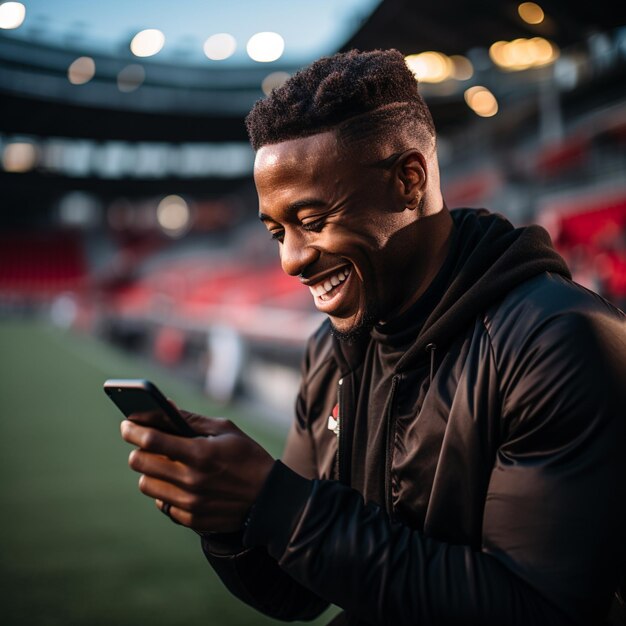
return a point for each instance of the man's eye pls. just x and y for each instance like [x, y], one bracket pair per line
[277, 234]
[315, 226]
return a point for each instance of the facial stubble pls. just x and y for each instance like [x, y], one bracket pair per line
[362, 326]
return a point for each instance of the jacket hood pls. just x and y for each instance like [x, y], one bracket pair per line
[492, 257]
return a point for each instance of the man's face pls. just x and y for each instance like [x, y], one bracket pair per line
[337, 228]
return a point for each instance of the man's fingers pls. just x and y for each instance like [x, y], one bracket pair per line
[153, 440]
[207, 426]
[203, 522]
[167, 492]
[180, 516]
[163, 468]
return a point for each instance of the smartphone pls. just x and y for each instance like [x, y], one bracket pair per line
[138, 396]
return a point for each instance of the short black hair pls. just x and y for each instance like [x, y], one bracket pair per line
[359, 94]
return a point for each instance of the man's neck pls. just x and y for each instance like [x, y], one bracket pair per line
[433, 235]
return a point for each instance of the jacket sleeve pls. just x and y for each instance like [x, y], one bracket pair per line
[555, 510]
[257, 579]
[553, 515]
[251, 574]
[254, 576]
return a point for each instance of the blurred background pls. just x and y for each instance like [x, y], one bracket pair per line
[130, 246]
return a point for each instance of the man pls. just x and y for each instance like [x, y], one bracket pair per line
[457, 455]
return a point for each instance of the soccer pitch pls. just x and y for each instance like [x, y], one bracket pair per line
[79, 544]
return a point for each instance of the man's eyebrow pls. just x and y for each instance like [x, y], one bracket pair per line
[295, 206]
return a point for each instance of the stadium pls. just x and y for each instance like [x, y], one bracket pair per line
[130, 245]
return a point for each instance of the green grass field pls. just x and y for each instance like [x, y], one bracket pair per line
[79, 544]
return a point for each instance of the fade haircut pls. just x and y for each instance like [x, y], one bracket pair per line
[360, 95]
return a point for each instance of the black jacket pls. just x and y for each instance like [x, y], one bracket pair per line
[505, 465]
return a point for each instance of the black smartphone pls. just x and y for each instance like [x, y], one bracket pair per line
[138, 396]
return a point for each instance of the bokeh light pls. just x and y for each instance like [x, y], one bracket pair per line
[220, 46]
[462, 68]
[542, 51]
[130, 78]
[531, 13]
[174, 216]
[147, 43]
[522, 54]
[12, 15]
[481, 101]
[265, 47]
[430, 67]
[274, 81]
[19, 157]
[81, 71]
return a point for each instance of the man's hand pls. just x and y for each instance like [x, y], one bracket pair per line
[210, 481]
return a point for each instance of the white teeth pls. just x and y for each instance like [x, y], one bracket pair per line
[323, 288]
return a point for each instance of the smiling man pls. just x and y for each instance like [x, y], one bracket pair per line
[457, 454]
[348, 241]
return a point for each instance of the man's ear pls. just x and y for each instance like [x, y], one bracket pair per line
[411, 175]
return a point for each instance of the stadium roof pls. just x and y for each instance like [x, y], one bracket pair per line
[456, 26]
[180, 93]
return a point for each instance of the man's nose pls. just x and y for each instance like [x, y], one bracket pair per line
[296, 254]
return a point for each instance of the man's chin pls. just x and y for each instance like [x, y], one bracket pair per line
[351, 333]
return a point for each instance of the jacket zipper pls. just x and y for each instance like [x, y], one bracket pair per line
[389, 444]
[338, 456]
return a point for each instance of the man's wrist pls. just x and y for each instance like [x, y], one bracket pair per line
[222, 544]
[277, 509]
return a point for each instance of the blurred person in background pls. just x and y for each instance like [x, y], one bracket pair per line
[457, 454]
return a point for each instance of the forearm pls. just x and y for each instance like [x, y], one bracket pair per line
[255, 578]
[351, 554]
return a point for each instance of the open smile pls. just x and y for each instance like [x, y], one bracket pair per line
[326, 293]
